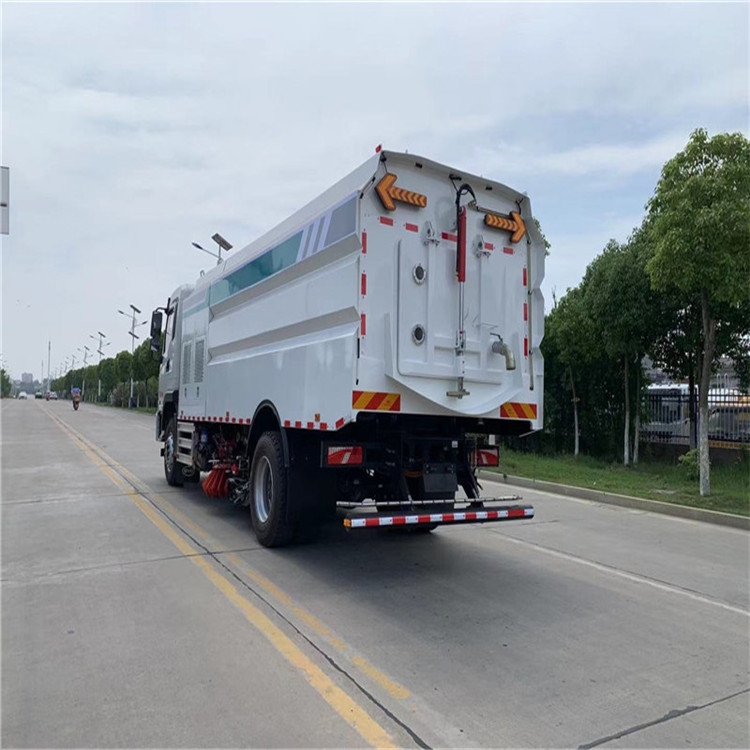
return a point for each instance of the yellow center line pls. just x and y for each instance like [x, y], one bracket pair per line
[345, 706]
[393, 688]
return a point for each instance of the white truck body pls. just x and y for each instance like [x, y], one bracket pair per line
[365, 302]
[322, 309]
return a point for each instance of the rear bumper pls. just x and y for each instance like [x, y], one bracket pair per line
[365, 520]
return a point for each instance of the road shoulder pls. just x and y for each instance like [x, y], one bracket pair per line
[625, 501]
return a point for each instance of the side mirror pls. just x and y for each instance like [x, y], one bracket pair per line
[156, 320]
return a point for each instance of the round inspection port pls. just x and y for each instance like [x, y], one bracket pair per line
[419, 273]
[418, 333]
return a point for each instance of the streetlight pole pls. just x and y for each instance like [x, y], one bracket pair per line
[101, 353]
[85, 351]
[220, 241]
[132, 344]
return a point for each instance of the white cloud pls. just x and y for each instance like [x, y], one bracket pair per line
[133, 129]
[608, 162]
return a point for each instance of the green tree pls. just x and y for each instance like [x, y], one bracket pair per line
[567, 352]
[626, 314]
[5, 384]
[700, 236]
[145, 365]
[108, 375]
[123, 366]
[583, 389]
[90, 382]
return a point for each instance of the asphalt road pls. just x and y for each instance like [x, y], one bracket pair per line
[137, 615]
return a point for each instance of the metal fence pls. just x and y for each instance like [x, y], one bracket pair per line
[667, 418]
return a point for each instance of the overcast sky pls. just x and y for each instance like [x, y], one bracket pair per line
[134, 129]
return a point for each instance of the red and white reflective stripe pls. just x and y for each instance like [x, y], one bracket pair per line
[344, 455]
[364, 243]
[459, 517]
[315, 425]
[487, 457]
[508, 250]
[386, 220]
[210, 418]
[411, 227]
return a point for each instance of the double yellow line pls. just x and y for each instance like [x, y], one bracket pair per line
[352, 713]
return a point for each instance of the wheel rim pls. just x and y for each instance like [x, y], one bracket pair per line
[169, 453]
[263, 489]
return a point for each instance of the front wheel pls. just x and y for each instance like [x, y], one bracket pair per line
[75, 405]
[172, 469]
[269, 493]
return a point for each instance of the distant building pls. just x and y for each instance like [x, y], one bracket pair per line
[27, 378]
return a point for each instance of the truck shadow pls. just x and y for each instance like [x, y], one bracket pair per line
[392, 573]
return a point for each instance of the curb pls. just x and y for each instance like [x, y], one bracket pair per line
[639, 503]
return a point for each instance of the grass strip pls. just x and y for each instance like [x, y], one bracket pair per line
[730, 484]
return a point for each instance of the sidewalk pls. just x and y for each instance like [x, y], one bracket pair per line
[654, 506]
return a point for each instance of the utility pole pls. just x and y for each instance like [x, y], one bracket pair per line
[101, 354]
[132, 345]
[85, 351]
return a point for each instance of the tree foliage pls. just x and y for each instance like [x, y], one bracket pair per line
[5, 384]
[699, 233]
[698, 220]
[676, 291]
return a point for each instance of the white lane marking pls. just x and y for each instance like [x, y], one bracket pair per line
[634, 577]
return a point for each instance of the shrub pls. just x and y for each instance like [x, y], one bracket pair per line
[689, 463]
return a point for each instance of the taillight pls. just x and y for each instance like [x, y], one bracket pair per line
[344, 455]
[486, 456]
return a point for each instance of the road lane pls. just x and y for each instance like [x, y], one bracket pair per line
[110, 638]
[543, 633]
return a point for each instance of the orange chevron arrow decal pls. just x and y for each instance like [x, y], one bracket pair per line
[388, 193]
[513, 224]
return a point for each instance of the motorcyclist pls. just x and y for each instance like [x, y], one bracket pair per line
[76, 393]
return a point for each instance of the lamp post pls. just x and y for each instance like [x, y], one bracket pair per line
[132, 332]
[101, 353]
[220, 241]
[85, 352]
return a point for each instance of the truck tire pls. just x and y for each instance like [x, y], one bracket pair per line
[172, 469]
[269, 493]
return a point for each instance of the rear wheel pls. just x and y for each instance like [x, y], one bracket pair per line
[172, 469]
[269, 492]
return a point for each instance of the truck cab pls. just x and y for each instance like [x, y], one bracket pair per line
[169, 371]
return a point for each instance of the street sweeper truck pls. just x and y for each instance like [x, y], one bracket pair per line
[357, 360]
